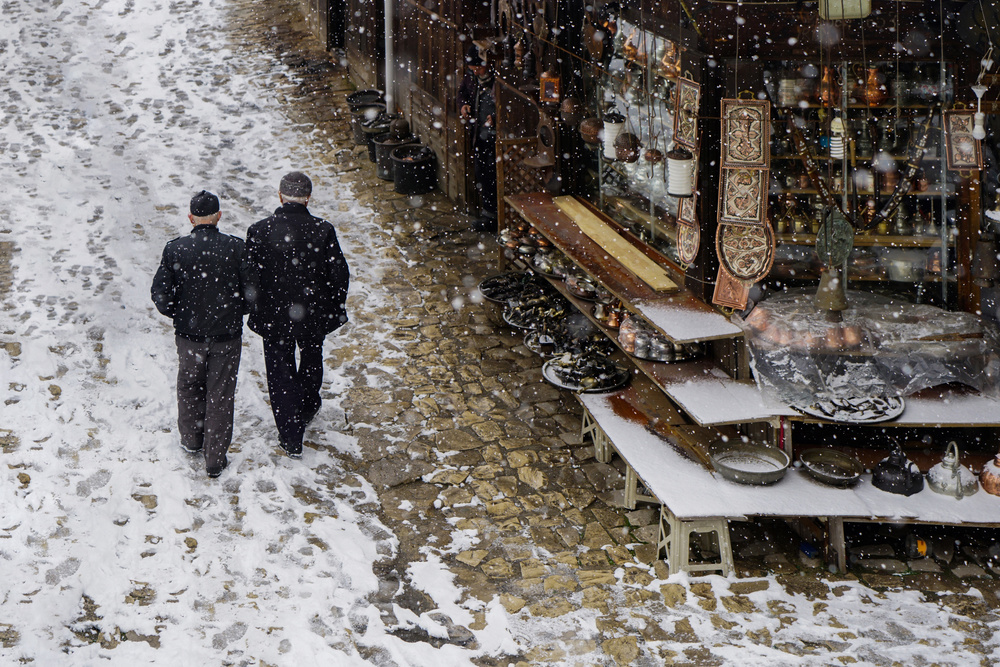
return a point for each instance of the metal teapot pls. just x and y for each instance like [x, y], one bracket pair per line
[897, 474]
[950, 477]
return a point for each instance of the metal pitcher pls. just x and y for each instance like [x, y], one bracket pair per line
[950, 477]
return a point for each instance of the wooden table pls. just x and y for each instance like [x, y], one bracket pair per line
[691, 492]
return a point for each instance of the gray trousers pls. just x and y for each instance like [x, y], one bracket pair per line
[206, 385]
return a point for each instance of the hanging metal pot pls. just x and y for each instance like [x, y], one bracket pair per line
[897, 474]
[950, 477]
[571, 111]
[627, 147]
[590, 130]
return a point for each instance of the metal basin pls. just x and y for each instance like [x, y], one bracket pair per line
[831, 466]
[747, 463]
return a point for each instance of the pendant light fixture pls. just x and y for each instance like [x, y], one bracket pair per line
[680, 172]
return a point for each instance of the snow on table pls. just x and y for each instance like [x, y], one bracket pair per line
[715, 399]
[691, 491]
[684, 324]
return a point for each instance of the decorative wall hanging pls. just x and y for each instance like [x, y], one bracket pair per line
[743, 196]
[688, 241]
[964, 151]
[687, 96]
[686, 210]
[745, 251]
[744, 240]
[730, 292]
[745, 134]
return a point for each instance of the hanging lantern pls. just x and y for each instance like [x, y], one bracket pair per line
[837, 142]
[549, 93]
[979, 124]
[680, 172]
[985, 269]
[844, 9]
[613, 124]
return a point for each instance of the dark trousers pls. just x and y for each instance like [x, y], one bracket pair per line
[206, 385]
[293, 387]
[484, 156]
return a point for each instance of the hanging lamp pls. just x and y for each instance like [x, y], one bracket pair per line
[680, 172]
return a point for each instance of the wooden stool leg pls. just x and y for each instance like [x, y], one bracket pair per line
[631, 484]
[682, 546]
[602, 445]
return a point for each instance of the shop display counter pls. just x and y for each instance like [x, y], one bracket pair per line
[689, 492]
[679, 315]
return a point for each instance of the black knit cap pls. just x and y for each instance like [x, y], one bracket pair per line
[473, 58]
[295, 184]
[204, 203]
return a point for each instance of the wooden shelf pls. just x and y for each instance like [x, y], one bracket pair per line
[867, 241]
[862, 193]
[680, 316]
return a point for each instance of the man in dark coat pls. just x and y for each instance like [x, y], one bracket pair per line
[200, 285]
[478, 107]
[299, 281]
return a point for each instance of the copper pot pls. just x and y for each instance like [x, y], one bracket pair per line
[590, 130]
[653, 155]
[571, 110]
[627, 147]
[990, 476]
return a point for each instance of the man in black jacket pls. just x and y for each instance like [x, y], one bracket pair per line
[299, 281]
[200, 285]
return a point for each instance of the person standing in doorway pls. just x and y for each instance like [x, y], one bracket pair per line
[299, 280]
[477, 106]
[200, 285]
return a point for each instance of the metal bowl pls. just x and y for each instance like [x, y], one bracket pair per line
[831, 466]
[747, 463]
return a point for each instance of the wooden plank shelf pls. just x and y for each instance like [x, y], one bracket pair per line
[680, 316]
[697, 386]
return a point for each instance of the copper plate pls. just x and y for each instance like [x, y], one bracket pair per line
[743, 196]
[730, 292]
[746, 251]
[688, 241]
[746, 134]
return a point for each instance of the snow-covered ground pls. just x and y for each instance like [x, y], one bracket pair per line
[114, 113]
[114, 545]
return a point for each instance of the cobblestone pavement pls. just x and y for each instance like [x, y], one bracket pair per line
[471, 442]
[479, 463]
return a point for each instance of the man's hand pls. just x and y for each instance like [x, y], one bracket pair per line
[465, 111]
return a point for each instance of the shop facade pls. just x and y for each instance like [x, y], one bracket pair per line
[770, 226]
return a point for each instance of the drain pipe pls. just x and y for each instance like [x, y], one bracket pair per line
[390, 57]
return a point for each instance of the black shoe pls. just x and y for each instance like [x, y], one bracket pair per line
[215, 472]
[293, 452]
[190, 450]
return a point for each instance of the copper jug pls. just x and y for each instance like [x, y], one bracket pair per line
[874, 91]
[990, 476]
[827, 91]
